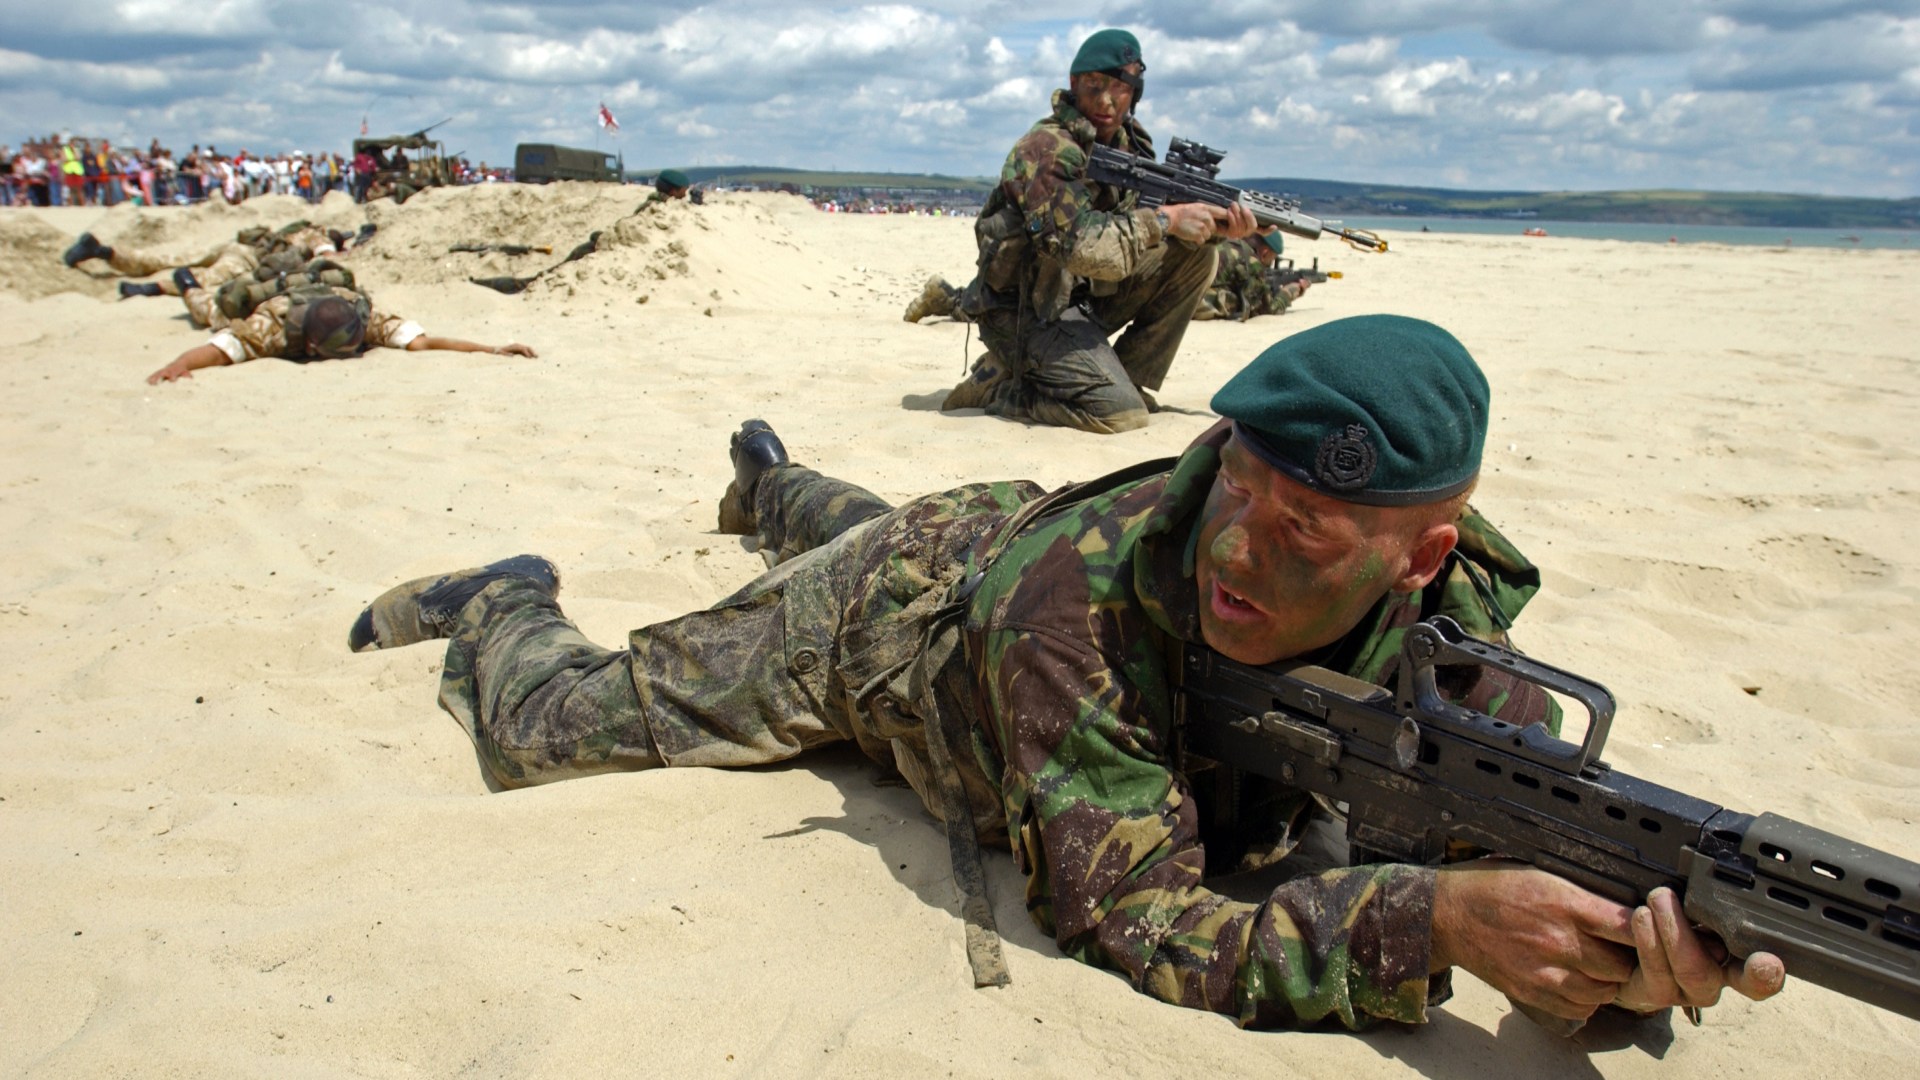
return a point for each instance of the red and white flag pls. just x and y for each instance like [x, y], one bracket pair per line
[363, 125]
[606, 119]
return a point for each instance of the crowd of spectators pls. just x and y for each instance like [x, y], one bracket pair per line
[59, 170]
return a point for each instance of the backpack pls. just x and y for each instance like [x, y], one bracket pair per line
[238, 298]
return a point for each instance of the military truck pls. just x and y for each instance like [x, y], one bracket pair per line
[403, 164]
[540, 163]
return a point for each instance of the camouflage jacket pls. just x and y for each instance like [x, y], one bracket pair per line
[263, 332]
[1048, 229]
[1242, 276]
[1069, 638]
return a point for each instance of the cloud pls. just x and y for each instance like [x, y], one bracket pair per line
[1369, 57]
[1495, 93]
[1863, 49]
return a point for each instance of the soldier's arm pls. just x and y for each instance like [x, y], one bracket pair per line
[1108, 834]
[184, 365]
[1046, 175]
[445, 344]
[386, 331]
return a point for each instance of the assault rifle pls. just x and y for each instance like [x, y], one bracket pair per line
[1189, 175]
[1416, 771]
[1288, 274]
[504, 249]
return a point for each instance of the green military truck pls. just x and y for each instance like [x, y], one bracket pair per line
[539, 163]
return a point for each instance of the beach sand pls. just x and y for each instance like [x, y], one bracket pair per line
[231, 848]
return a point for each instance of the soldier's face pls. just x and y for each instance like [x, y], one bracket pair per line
[1283, 570]
[1104, 100]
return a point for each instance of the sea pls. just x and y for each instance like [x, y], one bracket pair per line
[1745, 235]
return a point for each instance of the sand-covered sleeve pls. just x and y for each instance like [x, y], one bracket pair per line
[386, 331]
[1046, 176]
[260, 334]
[1109, 838]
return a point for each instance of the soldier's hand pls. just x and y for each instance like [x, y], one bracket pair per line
[1550, 944]
[175, 370]
[1539, 939]
[1240, 224]
[515, 349]
[1197, 223]
[1678, 966]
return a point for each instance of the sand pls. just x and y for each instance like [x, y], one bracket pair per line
[231, 848]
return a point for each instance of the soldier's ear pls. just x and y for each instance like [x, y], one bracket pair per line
[1428, 555]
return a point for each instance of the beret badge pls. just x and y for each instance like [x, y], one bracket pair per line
[1346, 459]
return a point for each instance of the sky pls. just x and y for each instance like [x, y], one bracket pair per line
[1810, 96]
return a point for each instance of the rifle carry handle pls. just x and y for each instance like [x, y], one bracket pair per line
[1441, 642]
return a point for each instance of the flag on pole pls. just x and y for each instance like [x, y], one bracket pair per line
[606, 119]
[363, 125]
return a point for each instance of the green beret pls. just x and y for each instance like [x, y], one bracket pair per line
[671, 178]
[1274, 241]
[1381, 410]
[1108, 51]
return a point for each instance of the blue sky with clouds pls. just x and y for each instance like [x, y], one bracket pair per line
[1780, 95]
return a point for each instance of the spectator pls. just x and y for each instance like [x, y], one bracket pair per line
[31, 167]
[363, 169]
[73, 175]
[190, 175]
[166, 176]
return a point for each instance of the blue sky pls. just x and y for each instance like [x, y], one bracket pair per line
[1817, 96]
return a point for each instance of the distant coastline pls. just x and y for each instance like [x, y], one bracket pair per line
[1651, 232]
[1756, 209]
[1334, 198]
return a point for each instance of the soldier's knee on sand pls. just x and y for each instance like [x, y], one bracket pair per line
[1115, 423]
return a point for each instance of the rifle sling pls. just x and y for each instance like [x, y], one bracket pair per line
[947, 732]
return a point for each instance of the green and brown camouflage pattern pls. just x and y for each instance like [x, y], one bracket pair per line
[1241, 288]
[1069, 707]
[1075, 230]
[1065, 263]
[1072, 630]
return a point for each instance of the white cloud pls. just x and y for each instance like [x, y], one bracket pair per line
[1782, 94]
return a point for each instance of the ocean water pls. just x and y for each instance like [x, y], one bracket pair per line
[1653, 234]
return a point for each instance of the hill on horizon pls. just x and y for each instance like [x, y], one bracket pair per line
[1330, 197]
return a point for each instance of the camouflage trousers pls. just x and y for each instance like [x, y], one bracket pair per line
[222, 264]
[787, 663]
[1070, 376]
[1230, 304]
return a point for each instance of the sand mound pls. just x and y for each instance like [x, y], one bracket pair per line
[30, 265]
[33, 246]
[674, 253]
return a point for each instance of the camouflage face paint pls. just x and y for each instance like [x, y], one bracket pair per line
[1281, 570]
[1104, 100]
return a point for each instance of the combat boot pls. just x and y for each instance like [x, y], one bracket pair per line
[936, 298]
[977, 389]
[141, 288]
[755, 449]
[426, 608]
[184, 280]
[86, 248]
[365, 234]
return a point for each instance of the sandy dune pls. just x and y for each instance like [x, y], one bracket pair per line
[229, 847]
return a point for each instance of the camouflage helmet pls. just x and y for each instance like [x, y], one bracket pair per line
[333, 328]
